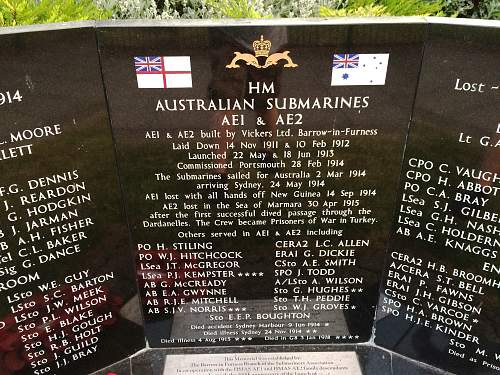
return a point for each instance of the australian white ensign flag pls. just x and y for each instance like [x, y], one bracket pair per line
[163, 72]
[350, 69]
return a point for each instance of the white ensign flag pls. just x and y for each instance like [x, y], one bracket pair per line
[165, 72]
[366, 69]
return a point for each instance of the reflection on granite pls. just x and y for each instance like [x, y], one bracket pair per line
[403, 365]
[120, 368]
[293, 299]
[74, 283]
[439, 298]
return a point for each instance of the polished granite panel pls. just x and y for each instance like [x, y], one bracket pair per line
[120, 368]
[66, 279]
[372, 360]
[281, 239]
[439, 298]
[260, 198]
[404, 366]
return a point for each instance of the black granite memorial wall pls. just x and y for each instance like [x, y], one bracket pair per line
[267, 171]
[439, 298]
[66, 274]
[259, 196]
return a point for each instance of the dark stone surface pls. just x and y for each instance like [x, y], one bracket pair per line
[51, 92]
[142, 156]
[453, 322]
[120, 368]
[372, 360]
[404, 366]
[58, 77]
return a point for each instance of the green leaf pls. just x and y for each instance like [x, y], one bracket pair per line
[412, 7]
[26, 12]
[236, 8]
[362, 11]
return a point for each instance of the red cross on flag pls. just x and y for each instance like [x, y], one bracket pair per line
[163, 72]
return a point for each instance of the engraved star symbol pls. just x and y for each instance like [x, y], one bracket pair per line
[243, 339]
[243, 309]
[237, 339]
[199, 340]
[350, 337]
[308, 331]
[327, 324]
[356, 337]
[240, 274]
[249, 339]
[353, 307]
[337, 337]
[247, 273]
[314, 331]
[237, 309]
[254, 273]
[344, 337]
[230, 309]
[353, 290]
[261, 273]
[475, 321]
[360, 289]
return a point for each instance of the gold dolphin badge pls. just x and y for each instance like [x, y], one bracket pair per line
[262, 48]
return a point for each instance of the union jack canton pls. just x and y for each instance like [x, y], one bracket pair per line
[343, 61]
[145, 64]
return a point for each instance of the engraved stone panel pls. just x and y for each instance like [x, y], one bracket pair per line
[259, 166]
[66, 279]
[439, 297]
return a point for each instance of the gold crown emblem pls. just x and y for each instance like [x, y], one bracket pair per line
[262, 47]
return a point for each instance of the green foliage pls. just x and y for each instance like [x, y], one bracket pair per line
[129, 9]
[187, 9]
[455, 8]
[301, 8]
[293, 8]
[363, 11]
[22, 12]
[239, 8]
[489, 9]
[156, 9]
[25, 12]
[412, 7]
[385, 8]
[164, 9]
